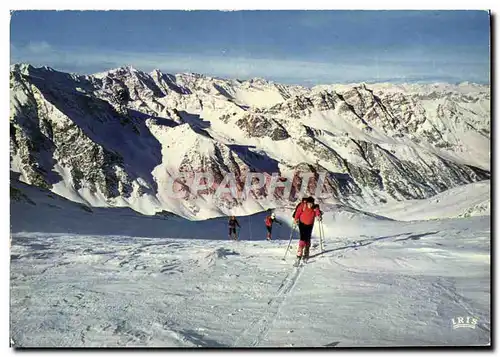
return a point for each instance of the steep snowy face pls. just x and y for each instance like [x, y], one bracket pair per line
[381, 146]
[122, 138]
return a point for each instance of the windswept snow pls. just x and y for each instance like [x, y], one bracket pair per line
[96, 277]
[464, 201]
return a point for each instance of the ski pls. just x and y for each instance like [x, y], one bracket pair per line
[300, 263]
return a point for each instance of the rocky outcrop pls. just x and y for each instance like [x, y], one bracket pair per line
[259, 126]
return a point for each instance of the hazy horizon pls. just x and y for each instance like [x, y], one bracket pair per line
[293, 47]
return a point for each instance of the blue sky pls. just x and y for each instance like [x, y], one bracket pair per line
[301, 47]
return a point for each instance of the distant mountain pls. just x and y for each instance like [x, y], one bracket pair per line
[118, 138]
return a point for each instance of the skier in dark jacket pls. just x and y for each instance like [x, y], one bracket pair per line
[269, 224]
[233, 222]
[304, 217]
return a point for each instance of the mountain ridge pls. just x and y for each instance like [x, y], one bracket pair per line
[373, 144]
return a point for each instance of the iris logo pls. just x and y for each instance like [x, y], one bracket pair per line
[464, 322]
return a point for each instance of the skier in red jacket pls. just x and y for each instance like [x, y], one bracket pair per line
[269, 224]
[304, 217]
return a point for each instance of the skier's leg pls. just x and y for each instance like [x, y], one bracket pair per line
[302, 229]
[303, 234]
[268, 237]
[300, 249]
[307, 240]
[306, 250]
[299, 252]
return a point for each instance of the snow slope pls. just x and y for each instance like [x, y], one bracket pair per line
[463, 201]
[95, 277]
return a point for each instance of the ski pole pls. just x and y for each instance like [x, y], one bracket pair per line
[321, 237]
[290, 241]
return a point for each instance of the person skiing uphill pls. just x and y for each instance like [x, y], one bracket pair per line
[304, 217]
[233, 222]
[269, 224]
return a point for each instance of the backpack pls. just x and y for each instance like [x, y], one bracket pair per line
[268, 220]
[296, 208]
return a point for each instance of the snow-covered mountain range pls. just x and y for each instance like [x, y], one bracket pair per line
[118, 138]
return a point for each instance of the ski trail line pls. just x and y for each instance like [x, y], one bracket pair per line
[258, 329]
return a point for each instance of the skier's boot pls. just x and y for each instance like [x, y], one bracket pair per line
[305, 257]
[297, 262]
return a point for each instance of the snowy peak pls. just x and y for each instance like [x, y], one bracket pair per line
[168, 82]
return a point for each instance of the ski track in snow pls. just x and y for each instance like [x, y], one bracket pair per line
[258, 328]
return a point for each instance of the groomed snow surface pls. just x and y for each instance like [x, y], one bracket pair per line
[109, 277]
